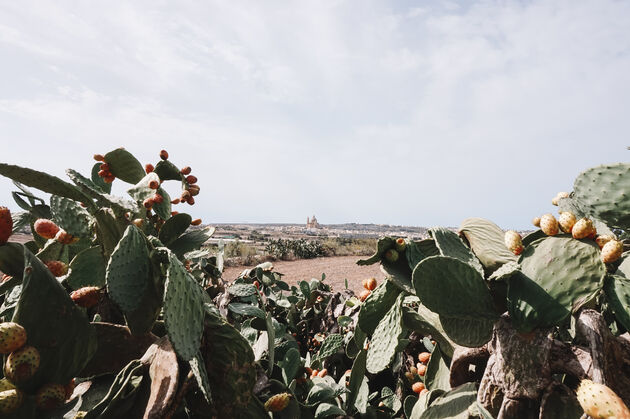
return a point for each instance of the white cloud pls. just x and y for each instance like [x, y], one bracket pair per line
[355, 111]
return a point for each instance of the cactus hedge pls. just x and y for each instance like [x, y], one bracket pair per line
[139, 323]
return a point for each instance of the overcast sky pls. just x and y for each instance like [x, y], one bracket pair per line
[415, 113]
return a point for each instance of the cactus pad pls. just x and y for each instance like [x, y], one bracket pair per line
[385, 339]
[486, 241]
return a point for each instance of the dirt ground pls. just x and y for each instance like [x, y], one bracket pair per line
[336, 269]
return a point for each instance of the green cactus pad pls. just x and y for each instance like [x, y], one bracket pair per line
[382, 246]
[87, 269]
[448, 287]
[183, 310]
[385, 339]
[376, 305]
[438, 373]
[416, 251]
[141, 190]
[52, 250]
[191, 241]
[124, 166]
[55, 326]
[98, 181]
[558, 276]
[70, 216]
[618, 294]
[427, 323]
[291, 364]
[357, 375]
[174, 227]
[569, 204]
[453, 404]
[471, 333]
[451, 245]
[12, 259]
[486, 240]
[167, 170]
[93, 191]
[109, 230]
[604, 193]
[42, 181]
[128, 270]
[201, 375]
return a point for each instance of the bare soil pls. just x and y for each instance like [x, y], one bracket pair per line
[337, 269]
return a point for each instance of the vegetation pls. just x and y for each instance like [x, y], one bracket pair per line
[118, 297]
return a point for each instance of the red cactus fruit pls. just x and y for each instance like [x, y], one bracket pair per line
[191, 179]
[149, 168]
[50, 396]
[99, 157]
[195, 222]
[154, 184]
[164, 155]
[6, 225]
[21, 364]
[86, 297]
[186, 170]
[57, 267]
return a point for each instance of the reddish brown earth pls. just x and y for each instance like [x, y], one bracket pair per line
[336, 269]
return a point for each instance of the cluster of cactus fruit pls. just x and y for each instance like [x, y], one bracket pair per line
[120, 297]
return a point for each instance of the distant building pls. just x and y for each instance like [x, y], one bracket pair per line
[312, 222]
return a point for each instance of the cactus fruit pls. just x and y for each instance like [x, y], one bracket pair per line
[86, 297]
[391, 255]
[567, 221]
[195, 222]
[191, 179]
[138, 222]
[582, 228]
[603, 239]
[401, 244]
[57, 267]
[148, 203]
[599, 401]
[424, 391]
[536, 221]
[99, 157]
[12, 337]
[417, 387]
[65, 238]
[191, 201]
[364, 294]
[185, 170]
[11, 398]
[558, 197]
[21, 364]
[513, 242]
[549, 224]
[277, 402]
[164, 154]
[612, 251]
[50, 396]
[148, 168]
[6, 225]
[157, 198]
[424, 357]
[154, 184]
[422, 369]
[46, 228]
[194, 190]
[370, 284]
[322, 373]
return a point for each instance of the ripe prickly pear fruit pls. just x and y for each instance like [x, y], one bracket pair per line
[603, 239]
[364, 294]
[611, 251]
[12, 337]
[154, 184]
[148, 203]
[46, 228]
[391, 255]
[582, 228]
[11, 398]
[86, 297]
[370, 284]
[138, 222]
[422, 370]
[277, 402]
[164, 155]
[195, 222]
[549, 224]
[57, 267]
[6, 225]
[175, 201]
[558, 197]
[158, 199]
[599, 401]
[567, 221]
[417, 387]
[185, 170]
[593, 233]
[65, 238]
[194, 190]
[513, 242]
[99, 157]
[191, 179]
[21, 364]
[424, 357]
[191, 201]
[536, 221]
[401, 244]
[149, 168]
[186, 196]
[50, 396]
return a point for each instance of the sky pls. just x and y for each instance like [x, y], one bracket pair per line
[406, 113]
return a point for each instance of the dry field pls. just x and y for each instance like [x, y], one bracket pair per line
[336, 269]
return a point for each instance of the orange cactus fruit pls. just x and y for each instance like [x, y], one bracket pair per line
[424, 357]
[417, 387]
[567, 220]
[549, 224]
[370, 284]
[513, 242]
[277, 402]
[612, 251]
[364, 294]
[599, 401]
